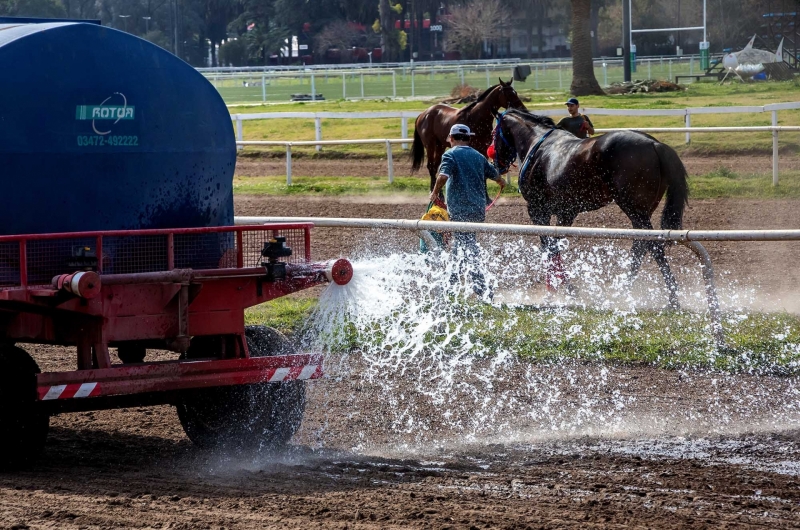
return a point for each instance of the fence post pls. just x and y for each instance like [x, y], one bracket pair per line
[362, 86]
[389, 161]
[394, 84]
[691, 65]
[560, 84]
[412, 83]
[605, 74]
[344, 86]
[404, 131]
[648, 70]
[688, 121]
[264, 88]
[670, 69]
[461, 75]
[536, 77]
[239, 132]
[288, 164]
[318, 131]
[313, 89]
[488, 82]
[775, 148]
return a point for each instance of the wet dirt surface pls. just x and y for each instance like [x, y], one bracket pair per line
[693, 452]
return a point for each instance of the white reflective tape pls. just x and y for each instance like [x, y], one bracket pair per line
[85, 390]
[279, 375]
[307, 372]
[54, 392]
[75, 284]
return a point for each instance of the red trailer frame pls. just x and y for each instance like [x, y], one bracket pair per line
[155, 289]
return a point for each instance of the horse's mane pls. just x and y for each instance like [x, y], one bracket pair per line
[545, 121]
[483, 96]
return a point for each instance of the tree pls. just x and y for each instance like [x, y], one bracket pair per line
[584, 82]
[476, 23]
[32, 8]
[338, 34]
[391, 39]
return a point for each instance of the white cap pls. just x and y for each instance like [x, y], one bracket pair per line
[461, 129]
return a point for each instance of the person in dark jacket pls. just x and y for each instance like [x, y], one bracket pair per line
[578, 124]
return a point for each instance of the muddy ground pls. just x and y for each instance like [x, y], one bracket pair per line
[692, 450]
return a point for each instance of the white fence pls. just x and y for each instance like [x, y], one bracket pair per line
[689, 238]
[403, 80]
[404, 116]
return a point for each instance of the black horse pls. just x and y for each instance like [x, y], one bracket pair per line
[562, 175]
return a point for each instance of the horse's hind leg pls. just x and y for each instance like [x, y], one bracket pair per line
[640, 248]
[657, 249]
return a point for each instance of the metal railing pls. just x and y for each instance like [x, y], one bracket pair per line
[405, 80]
[689, 238]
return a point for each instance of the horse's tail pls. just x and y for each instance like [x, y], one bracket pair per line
[417, 151]
[674, 172]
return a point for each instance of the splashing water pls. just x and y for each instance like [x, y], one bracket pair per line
[416, 357]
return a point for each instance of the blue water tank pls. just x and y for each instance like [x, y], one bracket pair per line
[101, 130]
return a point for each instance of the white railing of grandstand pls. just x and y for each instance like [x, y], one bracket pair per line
[406, 115]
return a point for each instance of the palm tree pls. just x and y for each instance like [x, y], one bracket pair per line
[584, 82]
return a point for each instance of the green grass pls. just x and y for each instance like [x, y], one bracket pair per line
[717, 184]
[285, 314]
[756, 343]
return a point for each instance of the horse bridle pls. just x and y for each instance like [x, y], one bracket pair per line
[505, 166]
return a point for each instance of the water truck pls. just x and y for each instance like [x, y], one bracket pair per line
[117, 246]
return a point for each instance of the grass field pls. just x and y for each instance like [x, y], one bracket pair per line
[756, 343]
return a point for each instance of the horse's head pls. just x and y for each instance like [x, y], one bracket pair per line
[502, 151]
[515, 128]
[509, 99]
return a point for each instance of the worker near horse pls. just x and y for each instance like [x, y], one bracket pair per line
[463, 175]
[578, 124]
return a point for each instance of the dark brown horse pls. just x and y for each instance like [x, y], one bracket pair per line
[433, 126]
[562, 175]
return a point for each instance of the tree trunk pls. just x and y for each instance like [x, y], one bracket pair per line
[387, 31]
[584, 82]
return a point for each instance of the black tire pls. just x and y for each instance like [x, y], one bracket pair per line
[23, 427]
[259, 417]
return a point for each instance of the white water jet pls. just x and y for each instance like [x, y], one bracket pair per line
[417, 358]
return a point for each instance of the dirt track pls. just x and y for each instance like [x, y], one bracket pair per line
[657, 467]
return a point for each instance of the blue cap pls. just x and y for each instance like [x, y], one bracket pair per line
[572, 101]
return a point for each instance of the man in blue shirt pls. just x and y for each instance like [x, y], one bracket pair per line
[463, 175]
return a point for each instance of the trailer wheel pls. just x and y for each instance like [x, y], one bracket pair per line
[248, 417]
[23, 428]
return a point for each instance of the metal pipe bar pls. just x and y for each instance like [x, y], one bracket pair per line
[687, 28]
[534, 230]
